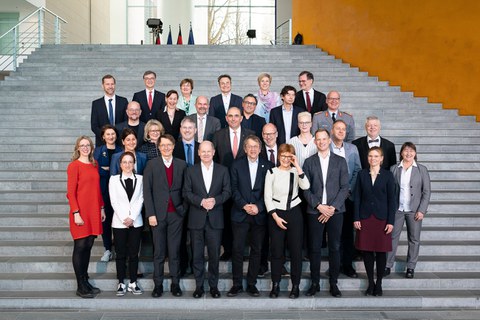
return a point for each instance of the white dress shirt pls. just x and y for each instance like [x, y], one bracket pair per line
[207, 174]
[253, 167]
[405, 193]
[106, 98]
[230, 130]
[287, 122]
[226, 101]
[373, 144]
[324, 165]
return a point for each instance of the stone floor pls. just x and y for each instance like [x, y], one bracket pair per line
[237, 315]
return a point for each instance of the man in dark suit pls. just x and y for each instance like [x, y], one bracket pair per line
[206, 125]
[164, 208]
[186, 142]
[225, 100]
[228, 144]
[373, 139]
[328, 176]
[249, 218]
[285, 117]
[150, 100]
[307, 98]
[133, 122]
[110, 109]
[270, 147]
[250, 120]
[206, 188]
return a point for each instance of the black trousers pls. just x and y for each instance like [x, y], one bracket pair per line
[294, 235]
[107, 224]
[241, 230]
[334, 232]
[212, 238]
[347, 246]
[127, 244]
[166, 237]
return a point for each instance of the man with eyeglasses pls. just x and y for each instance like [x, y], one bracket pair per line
[133, 122]
[308, 98]
[150, 100]
[325, 119]
[165, 211]
[250, 120]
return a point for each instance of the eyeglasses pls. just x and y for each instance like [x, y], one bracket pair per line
[304, 123]
[334, 99]
[169, 145]
[254, 146]
[249, 103]
[271, 134]
[127, 162]
[84, 146]
[134, 110]
[154, 131]
[286, 157]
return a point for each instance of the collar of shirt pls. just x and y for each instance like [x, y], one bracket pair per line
[250, 162]
[334, 146]
[106, 98]
[310, 92]
[205, 167]
[238, 130]
[324, 158]
[166, 162]
[124, 177]
[285, 109]
[188, 142]
[413, 165]
[148, 91]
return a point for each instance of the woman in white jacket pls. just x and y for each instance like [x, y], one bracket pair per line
[126, 196]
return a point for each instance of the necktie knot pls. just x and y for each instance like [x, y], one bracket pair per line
[333, 117]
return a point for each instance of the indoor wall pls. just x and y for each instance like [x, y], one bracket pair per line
[429, 47]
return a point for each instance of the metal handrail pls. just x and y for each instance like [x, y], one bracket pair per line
[39, 27]
[283, 33]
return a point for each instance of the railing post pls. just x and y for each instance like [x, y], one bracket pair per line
[14, 56]
[289, 31]
[40, 23]
[57, 30]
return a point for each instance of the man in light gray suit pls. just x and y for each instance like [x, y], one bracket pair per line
[328, 176]
[206, 125]
[350, 153]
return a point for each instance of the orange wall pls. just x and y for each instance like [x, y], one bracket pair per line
[430, 47]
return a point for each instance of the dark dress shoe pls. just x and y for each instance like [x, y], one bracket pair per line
[234, 291]
[387, 272]
[275, 290]
[140, 275]
[252, 290]
[262, 271]
[295, 292]
[350, 272]
[214, 292]
[225, 256]
[378, 291]
[410, 274]
[93, 289]
[175, 290]
[198, 293]
[314, 288]
[369, 291]
[285, 272]
[157, 291]
[334, 291]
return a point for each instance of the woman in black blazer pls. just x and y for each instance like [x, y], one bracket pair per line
[374, 217]
[171, 117]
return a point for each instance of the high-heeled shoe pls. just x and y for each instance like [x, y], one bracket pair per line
[378, 291]
[369, 291]
[275, 290]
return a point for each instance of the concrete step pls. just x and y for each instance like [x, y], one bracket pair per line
[65, 282]
[408, 301]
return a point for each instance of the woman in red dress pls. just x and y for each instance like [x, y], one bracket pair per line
[86, 211]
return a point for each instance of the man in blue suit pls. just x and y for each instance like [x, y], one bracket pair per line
[285, 117]
[350, 153]
[249, 218]
[109, 109]
[220, 104]
[328, 176]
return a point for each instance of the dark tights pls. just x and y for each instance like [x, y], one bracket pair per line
[81, 255]
[369, 258]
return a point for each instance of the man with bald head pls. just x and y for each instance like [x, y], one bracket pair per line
[133, 122]
[325, 119]
[206, 125]
[206, 188]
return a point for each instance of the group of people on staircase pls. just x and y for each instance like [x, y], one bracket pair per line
[282, 173]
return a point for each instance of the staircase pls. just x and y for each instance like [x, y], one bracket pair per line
[46, 104]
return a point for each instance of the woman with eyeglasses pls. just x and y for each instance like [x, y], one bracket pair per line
[186, 100]
[126, 194]
[153, 131]
[86, 211]
[304, 143]
[282, 203]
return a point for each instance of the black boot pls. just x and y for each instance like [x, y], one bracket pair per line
[83, 289]
[95, 290]
[275, 290]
